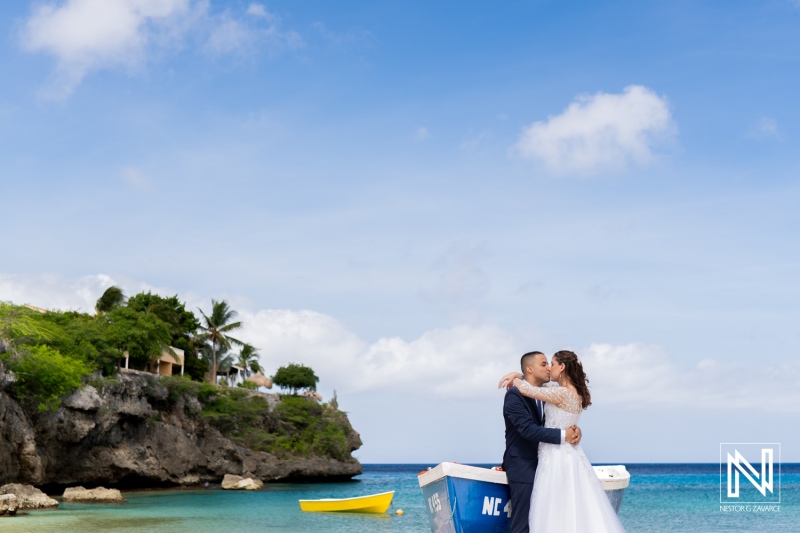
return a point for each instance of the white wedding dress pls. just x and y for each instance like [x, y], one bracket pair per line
[567, 494]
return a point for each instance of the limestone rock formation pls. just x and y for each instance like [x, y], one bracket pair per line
[250, 484]
[313, 395]
[99, 495]
[28, 497]
[245, 482]
[129, 434]
[8, 505]
[86, 399]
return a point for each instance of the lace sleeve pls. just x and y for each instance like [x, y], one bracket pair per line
[554, 395]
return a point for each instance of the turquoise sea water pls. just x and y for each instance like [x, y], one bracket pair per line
[661, 498]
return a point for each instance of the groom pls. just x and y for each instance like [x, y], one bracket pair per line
[525, 429]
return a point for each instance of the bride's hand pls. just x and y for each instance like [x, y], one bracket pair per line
[507, 381]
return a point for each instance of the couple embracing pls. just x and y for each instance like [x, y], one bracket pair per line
[553, 487]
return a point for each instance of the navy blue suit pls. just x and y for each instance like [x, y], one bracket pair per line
[524, 432]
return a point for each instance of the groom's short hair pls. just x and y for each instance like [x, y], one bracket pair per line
[527, 359]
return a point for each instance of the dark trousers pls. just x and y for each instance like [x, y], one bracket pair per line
[520, 505]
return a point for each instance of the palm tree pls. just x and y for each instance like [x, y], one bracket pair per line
[224, 359]
[112, 298]
[225, 365]
[216, 328]
[248, 359]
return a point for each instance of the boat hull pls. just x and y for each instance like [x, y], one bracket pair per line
[452, 506]
[374, 503]
[467, 499]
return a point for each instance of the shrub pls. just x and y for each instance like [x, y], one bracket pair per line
[248, 385]
[298, 411]
[309, 428]
[84, 338]
[179, 386]
[296, 427]
[206, 391]
[20, 325]
[184, 386]
[45, 376]
[101, 382]
[331, 441]
[235, 414]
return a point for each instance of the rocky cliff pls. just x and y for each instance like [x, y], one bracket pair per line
[130, 433]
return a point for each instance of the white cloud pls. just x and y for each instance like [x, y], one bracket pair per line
[630, 373]
[639, 375]
[464, 361]
[54, 291]
[467, 361]
[258, 10]
[232, 34]
[599, 132]
[86, 35]
[90, 35]
[51, 291]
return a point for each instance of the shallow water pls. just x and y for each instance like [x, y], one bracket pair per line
[275, 509]
[661, 498]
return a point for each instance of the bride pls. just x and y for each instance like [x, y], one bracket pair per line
[567, 495]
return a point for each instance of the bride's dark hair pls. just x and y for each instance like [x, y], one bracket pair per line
[574, 371]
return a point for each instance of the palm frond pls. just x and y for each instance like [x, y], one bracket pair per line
[230, 327]
[112, 298]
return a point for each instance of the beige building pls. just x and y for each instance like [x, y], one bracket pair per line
[167, 362]
[164, 365]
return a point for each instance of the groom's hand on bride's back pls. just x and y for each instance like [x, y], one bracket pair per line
[573, 435]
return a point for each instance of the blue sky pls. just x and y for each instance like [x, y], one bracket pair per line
[408, 196]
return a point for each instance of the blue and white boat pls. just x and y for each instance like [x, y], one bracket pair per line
[468, 499]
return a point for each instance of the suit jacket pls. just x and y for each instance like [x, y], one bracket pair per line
[524, 432]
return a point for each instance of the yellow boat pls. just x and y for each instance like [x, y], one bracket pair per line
[374, 503]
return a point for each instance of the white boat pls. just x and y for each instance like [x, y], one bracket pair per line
[469, 499]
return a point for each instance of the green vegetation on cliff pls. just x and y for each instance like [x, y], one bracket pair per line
[38, 345]
[28, 347]
[51, 353]
[294, 426]
[44, 376]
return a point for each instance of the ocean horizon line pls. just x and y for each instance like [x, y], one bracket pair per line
[598, 463]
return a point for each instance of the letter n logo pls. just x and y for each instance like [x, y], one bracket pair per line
[737, 460]
[739, 465]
